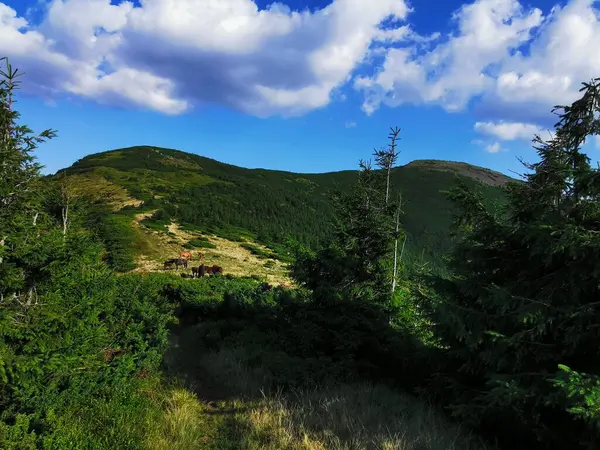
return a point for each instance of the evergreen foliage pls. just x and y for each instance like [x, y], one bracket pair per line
[271, 206]
[520, 317]
[356, 263]
[72, 336]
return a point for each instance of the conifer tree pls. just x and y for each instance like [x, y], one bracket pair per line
[357, 262]
[520, 317]
[19, 176]
[54, 288]
[386, 159]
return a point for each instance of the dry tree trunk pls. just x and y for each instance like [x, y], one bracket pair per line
[394, 279]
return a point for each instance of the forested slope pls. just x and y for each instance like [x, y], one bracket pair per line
[270, 206]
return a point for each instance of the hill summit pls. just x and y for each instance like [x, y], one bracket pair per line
[269, 206]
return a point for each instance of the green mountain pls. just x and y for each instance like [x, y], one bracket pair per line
[266, 205]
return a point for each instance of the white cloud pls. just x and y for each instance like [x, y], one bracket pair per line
[170, 55]
[597, 140]
[514, 61]
[493, 148]
[455, 70]
[488, 146]
[350, 124]
[508, 131]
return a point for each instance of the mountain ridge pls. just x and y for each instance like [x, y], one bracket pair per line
[496, 177]
[269, 206]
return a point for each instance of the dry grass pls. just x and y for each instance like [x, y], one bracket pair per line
[181, 426]
[354, 417]
[234, 259]
[99, 188]
[349, 417]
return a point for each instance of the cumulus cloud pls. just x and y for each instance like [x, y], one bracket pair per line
[513, 61]
[454, 71]
[490, 146]
[508, 131]
[493, 148]
[170, 55]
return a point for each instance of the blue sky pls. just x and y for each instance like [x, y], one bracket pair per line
[271, 86]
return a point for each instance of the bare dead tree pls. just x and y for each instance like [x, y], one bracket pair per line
[66, 197]
[364, 179]
[396, 237]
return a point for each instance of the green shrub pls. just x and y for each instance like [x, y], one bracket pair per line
[120, 239]
[198, 243]
[155, 225]
[259, 252]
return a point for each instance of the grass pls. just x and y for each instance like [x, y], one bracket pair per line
[255, 250]
[243, 412]
[239, 403]
[199, 243]
[155, 225]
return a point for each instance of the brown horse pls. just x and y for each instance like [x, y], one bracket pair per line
[199, 271]
[186, 255]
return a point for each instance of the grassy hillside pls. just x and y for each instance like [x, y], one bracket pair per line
[267, 206]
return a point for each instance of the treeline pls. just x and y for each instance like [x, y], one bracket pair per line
[270, 206]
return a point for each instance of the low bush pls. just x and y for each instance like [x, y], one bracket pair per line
[199, 243]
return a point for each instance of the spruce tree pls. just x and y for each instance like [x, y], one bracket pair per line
[356, 264]
[55, 292]
[19, 196]
[520, 317]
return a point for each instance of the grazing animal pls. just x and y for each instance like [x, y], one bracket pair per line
[208, 270]
[186, 255]
[217, 270]
[169, 263]
[199, 271]
[176, 262]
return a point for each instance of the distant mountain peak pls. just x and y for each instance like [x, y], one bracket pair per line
[478, 173]
[178, 160]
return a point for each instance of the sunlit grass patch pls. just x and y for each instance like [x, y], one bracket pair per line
[243, 409]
